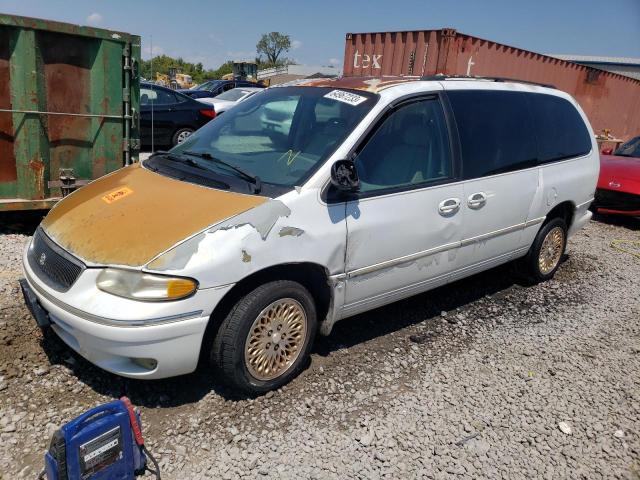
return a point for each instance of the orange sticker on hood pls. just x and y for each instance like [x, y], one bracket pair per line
[117, 194]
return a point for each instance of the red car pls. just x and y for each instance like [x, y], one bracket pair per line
[618, 188]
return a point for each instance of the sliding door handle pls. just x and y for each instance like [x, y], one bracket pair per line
[477, 200]
[449, 206]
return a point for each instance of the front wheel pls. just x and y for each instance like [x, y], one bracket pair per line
[265, 340]
[181, 135]
[543, 259]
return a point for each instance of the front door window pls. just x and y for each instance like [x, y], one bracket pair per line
[409, 148]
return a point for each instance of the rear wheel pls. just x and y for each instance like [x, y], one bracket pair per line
[265, 339]
[543, 259]
[181, 135]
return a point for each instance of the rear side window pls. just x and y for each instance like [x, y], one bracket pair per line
[560, 130]
[157, 96]
[496, 131]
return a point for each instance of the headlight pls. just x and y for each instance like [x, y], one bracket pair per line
[144, 286]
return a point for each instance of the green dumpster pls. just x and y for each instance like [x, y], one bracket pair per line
[69, 104]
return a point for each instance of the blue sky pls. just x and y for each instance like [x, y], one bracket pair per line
[213, 31]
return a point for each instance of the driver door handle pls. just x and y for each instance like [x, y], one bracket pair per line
[449, 206]
[477, 200]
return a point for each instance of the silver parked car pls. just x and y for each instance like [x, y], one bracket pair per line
[228, 99]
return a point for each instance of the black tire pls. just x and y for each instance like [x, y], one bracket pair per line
[228, 350]
[180, 135]
[529, 267]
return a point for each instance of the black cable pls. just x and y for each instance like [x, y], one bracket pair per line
[154, 461]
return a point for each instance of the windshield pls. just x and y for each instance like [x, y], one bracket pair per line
[283, 134]
[210, 85]
[629, 149]
[234, 94]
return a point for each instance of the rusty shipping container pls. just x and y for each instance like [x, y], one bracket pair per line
[610, 100]
[68, 101]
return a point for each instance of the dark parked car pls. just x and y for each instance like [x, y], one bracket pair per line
[213, 88]
[175, 116]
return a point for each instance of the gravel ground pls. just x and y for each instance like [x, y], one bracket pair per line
[489, 379]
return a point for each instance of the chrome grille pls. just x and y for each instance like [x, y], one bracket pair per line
[55, 267]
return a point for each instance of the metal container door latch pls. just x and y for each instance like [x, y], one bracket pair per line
[67, 182]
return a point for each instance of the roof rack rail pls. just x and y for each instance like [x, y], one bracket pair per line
[441, 76]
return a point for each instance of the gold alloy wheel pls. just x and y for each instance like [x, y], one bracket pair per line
[275, 339]
[551, 250]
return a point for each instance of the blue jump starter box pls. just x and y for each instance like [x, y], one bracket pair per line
[104, 443]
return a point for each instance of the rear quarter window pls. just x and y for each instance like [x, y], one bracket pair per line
[157, 96]
[560, 131]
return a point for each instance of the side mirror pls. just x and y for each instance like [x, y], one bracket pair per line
[607, 151]
[344, 176]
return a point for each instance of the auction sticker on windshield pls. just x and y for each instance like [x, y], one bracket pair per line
[346, 97]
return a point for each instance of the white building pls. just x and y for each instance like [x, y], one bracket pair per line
[287, 73]
[621, 65]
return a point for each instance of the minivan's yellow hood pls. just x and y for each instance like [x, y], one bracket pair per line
[132, 215]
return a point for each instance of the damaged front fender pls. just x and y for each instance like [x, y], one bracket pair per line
[288, 230]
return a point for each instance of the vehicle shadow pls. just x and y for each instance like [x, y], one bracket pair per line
[362, 328]
[23, 222]
[166, 393]
[424, 307]
[631, 223]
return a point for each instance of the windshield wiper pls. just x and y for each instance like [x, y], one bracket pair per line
[191, 162]
[172, 156]
[254, 179]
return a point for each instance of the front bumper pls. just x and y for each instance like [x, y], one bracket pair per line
[40, 315]
[617, 202]
[581, 217]
[151, 346]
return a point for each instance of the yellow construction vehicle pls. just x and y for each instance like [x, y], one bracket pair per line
[162, 79]
[174, 79]
[243, 71]
[183, 80]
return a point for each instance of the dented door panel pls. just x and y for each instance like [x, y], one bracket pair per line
[399, 245]
[493, 230]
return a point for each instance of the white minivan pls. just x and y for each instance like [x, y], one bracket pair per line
[302, 206]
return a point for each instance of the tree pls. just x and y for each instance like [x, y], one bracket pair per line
[222, 70]
[272, 45]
